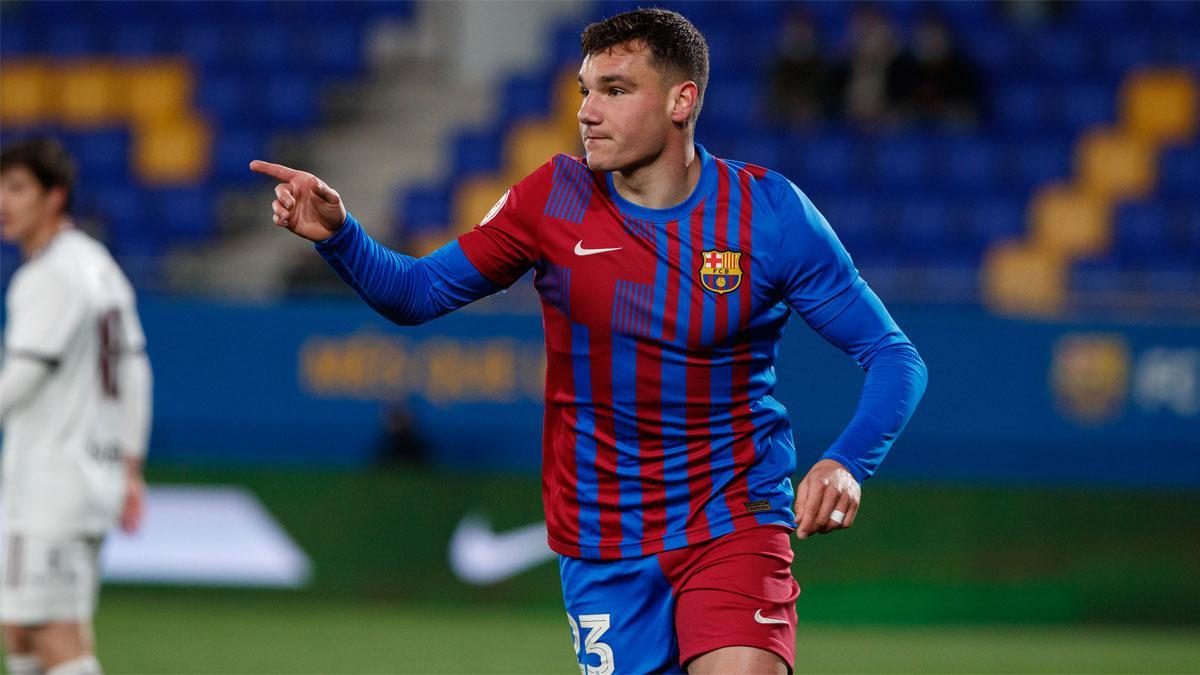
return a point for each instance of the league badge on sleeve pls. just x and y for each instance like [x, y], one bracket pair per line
[721, 271]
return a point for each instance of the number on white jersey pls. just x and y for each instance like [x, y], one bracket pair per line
[109, 326]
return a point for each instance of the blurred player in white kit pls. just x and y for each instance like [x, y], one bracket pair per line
[75, 408]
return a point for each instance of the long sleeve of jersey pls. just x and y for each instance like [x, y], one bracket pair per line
[406, 290]
[819, 281]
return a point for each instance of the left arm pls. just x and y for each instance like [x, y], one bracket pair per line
[818, 279]
[136, 385]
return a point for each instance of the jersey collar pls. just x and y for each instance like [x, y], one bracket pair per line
[680, 211]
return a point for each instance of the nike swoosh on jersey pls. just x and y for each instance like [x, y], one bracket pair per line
[766, 619]
[580, 250]
[480, 556]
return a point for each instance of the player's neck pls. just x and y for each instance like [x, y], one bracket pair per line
[665, 182]
[40, 238]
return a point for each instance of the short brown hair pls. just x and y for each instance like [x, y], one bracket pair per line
[675, 44]
[49, 161]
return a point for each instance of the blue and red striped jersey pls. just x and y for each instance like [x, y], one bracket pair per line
[662, 329]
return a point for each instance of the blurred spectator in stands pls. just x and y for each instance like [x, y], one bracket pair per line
[401, 444]
[936, 82]
[801, 76]
[1034, 13]
[867, 83]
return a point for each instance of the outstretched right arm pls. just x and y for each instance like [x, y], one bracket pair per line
[404, 289]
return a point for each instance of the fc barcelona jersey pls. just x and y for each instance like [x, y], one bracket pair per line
[662, 329]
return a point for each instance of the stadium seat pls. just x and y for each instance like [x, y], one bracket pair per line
[993, 219]
[1115, 165]
[173, 152]
[89, 94]
[923, 227]
[425, 208]
[71, 39]
[102, 155]
[1161, 105]
[335, 49]
[1038, 160]
[157, 91]
[1179, 171]
[233, 150]
[184, 213]
[1024, 106]
[1141, 233]
[968, 164]
[1069, 222]
[473, 199]
[475, 152]
[900, 162]
[1085, 104]
[138, 39]
[1060, 54]
[26, 94]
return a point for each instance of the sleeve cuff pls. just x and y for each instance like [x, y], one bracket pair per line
[346, 232]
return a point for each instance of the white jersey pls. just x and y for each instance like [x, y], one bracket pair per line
[71, 307]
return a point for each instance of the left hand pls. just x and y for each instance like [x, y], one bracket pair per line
[828, 487]
[134, 508]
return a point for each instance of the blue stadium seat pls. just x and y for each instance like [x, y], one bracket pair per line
[827, 162]
[525, 96]
[136, 39]
[288, 101]
[1097, 275]
[336, 49]
[989, 220]
[233, 150]
[1023, 106]
[227, 97]
[1179, 171]
[922, 227]
[206, 45]
[968, 164]
[70, 39]
[852, 217]
[101, 155]
[1036, 161]
[900, 161]
[183, 213]
[1086, 104]
[1123, 52]
[1141, 233]
[476, 152]
[425, 208]
[1059, 54]
[267, 48]
[18, 37]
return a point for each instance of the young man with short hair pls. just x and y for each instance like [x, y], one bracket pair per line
[75, 407]
[666, 276]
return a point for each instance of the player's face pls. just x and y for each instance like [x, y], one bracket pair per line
[625, 117]
[24, 204]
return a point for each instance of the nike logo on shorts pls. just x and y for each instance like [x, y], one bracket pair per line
[580, 250]
[768, 620]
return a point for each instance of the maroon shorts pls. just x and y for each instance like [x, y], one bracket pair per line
[735, 590]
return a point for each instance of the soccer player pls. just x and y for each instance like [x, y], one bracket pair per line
[666, 277]
[75, 405]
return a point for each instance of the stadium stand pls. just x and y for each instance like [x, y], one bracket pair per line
[164, 104]
[1102, 98]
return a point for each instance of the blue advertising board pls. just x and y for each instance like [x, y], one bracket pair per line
[313, 382]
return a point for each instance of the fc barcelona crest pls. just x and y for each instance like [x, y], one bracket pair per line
[721, 271]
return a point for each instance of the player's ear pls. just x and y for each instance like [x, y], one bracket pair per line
[683, 101]
[56, 199]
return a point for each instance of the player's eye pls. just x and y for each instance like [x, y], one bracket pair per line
[583, 92]
[615, 91]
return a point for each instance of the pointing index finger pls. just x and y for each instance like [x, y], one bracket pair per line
[276, 171]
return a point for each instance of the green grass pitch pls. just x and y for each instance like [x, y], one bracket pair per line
[166, 631]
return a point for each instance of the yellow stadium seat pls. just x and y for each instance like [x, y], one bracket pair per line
[25, 92]
[1018, 278]
[1115, 165]
[474, 198]
[428, 242]
[158, 90]
[88, 93]
[1161, 106]
[172, 152]
[1066, 221]
[531, 144]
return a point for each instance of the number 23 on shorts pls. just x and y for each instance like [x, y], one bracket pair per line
[595, 625]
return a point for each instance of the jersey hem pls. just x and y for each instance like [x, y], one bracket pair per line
[670, 542]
